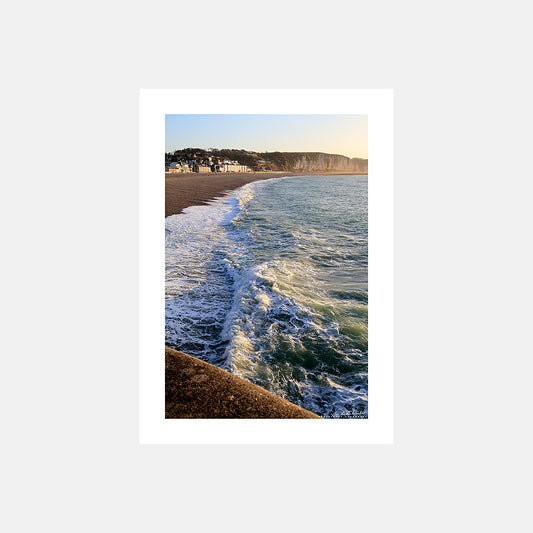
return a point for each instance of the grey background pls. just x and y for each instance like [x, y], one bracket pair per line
[69, 213]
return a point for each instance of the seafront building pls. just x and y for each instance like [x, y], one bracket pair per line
[208, 164]
[178, 168]
[232, 167]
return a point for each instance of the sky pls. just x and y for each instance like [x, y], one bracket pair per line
[335, 134]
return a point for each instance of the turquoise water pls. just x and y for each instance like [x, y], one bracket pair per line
[270, 283]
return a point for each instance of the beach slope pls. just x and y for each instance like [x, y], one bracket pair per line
[196, 389]
[184, 190]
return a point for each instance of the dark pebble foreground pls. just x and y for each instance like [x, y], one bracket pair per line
[196, 389]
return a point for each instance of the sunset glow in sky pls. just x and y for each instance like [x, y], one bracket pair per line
[335, 134]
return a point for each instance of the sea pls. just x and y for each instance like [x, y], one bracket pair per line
[271, 283]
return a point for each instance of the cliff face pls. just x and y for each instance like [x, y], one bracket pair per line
[317, 162]
[314, 162]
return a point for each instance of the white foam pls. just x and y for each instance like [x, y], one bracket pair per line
[235, 312]
[264, 300]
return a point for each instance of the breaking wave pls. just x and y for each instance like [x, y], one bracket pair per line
[270, 283]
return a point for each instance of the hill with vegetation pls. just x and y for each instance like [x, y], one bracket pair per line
[284, 161]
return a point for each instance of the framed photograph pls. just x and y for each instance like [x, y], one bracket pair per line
[266, 266]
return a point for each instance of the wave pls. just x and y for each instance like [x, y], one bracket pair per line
[244, 292]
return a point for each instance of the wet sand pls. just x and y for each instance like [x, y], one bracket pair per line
[184, 190]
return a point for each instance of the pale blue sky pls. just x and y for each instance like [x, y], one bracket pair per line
[335, 134]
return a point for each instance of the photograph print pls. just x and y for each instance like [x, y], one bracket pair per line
[266, 266]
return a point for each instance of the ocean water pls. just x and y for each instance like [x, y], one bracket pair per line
[271, 284]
